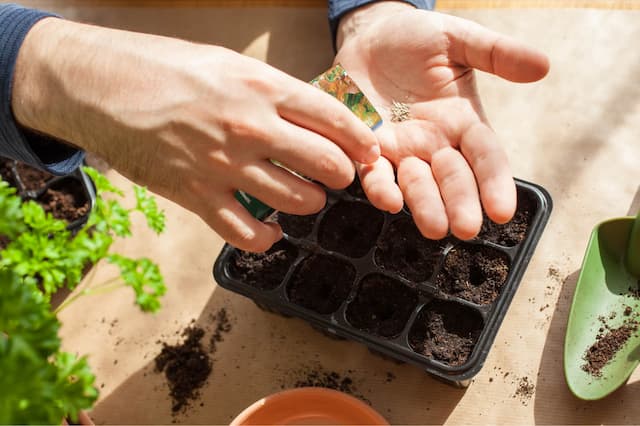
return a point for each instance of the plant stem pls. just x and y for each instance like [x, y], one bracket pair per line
[105, 287]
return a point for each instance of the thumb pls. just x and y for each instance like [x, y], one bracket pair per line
[475, 46]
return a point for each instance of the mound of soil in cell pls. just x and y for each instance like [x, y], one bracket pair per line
[474, 273]
[263, 270]
[403, 250]
[321, 283]
[350, 228]
[446, 331]
[382, 306]
[32, 179]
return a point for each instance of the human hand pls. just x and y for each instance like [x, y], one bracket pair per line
[446, 156]
[194, 123]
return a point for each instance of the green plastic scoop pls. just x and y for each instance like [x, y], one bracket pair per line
[606, 293]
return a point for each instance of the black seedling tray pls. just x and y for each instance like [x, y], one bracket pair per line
[38, 185]
[358, 273]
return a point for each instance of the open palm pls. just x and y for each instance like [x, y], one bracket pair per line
[445, 155]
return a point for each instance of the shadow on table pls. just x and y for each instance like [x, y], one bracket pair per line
[554, 403]
[264, 353]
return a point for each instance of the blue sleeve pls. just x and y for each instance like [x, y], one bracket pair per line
[338, 8]
[17, 142]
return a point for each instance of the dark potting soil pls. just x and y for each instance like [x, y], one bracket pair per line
[355, 189]
[32, 178]
[264, 270]
[319, 377]
[525, 390]
[296, 226]
[321, 283]
[403, 250]
[350, 228]
[446, 331]
[186, 367]
[476, 274]
[514, 231]
[65, 200]
[6, 172]
[382, 306]
[608, 342]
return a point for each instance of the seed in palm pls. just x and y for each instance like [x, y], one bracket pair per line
[399, 112]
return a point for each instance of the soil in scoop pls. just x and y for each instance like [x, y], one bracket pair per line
[514, 231]
[474, 273]
[186, 367]
[321, 283]
[350, 228]
[296, 226]
[446, 331]
[403, 249]
[264, 270]
[607, 345]
[382, 306]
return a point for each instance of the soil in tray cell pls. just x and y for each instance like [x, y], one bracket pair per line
[382, 306]
[321, 283]
[263, 270]
[513, 232]
[296, 226]
[350, 228]
[474, 273]
[355, 189]
[446, 331]
[32, 178]
[403, 250]
[65, 200]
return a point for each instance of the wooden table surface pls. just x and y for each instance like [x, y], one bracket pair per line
[576, 133]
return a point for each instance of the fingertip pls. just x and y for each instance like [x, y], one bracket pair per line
[500, 202]
[466, 224]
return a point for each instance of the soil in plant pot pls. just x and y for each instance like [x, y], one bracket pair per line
[382, 306]
[474, 273]
[32, 179]
[403, 250]
[264, 270]
[65, 200]
[186, 367]
[296, 226]
[6, 172]
[321, 283]
[350, 228]
[513, 232]
[446, 331]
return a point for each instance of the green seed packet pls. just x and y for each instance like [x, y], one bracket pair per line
[337, 83]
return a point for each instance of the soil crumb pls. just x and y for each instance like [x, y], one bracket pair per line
[525, 390]
[186, 367]
[222, 326]
[320, 377]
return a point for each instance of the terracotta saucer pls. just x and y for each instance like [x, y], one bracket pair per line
[309, 406]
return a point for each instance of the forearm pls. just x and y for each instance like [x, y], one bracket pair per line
[75, 81]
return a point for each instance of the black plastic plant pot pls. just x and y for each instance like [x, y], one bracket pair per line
[361, 274]
[70, 198]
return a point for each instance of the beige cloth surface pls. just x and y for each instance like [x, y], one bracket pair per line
[576, 133]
